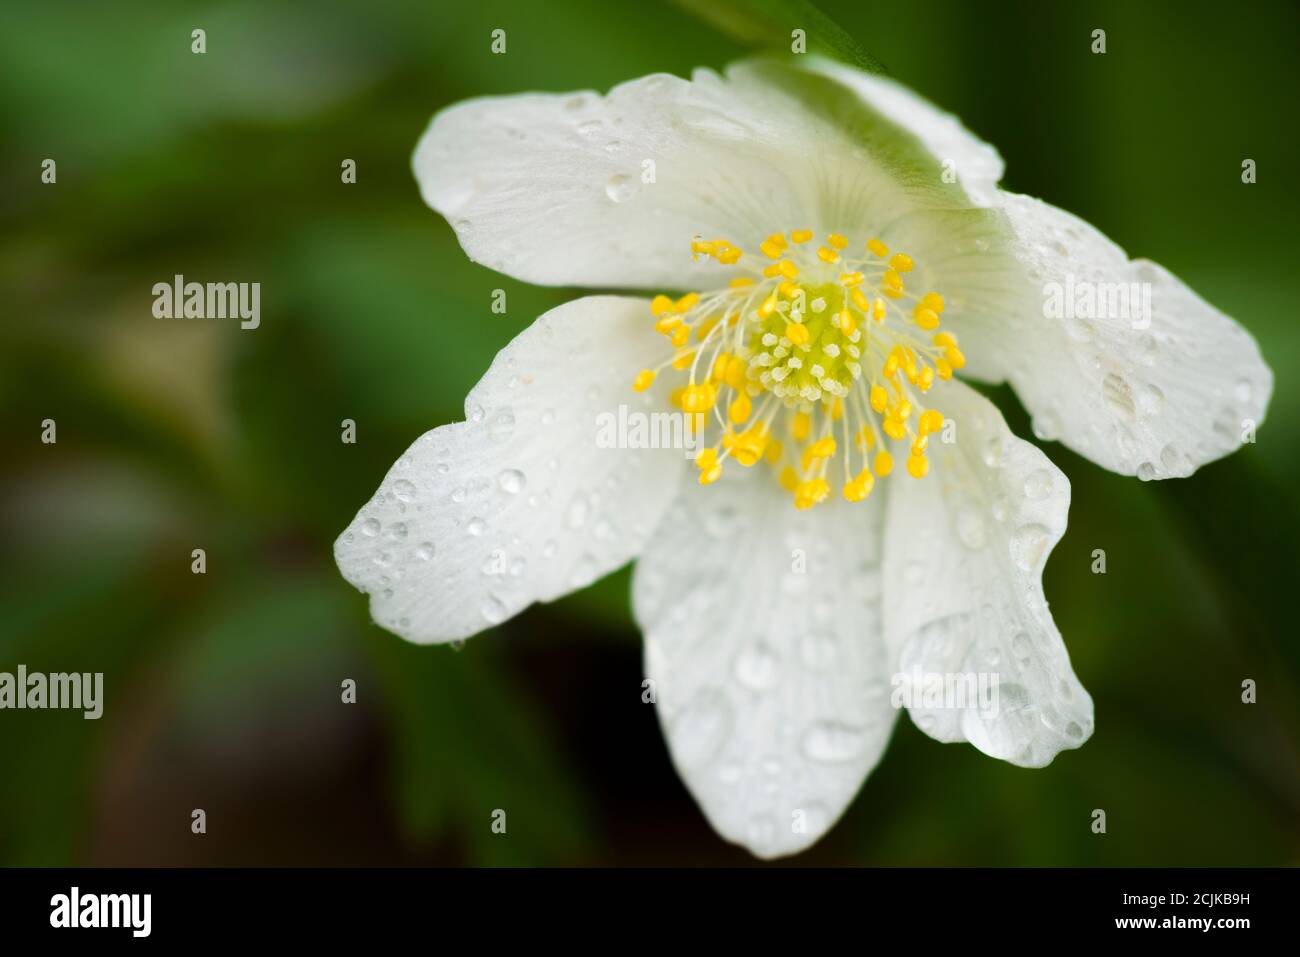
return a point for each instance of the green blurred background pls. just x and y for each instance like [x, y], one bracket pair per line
[223, 689]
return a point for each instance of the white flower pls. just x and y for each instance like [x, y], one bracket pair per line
[773, 633]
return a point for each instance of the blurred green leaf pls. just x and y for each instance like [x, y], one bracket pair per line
[769, 24]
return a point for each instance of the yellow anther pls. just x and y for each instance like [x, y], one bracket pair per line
[699, 398]
[774, 450]
[902, 262]
[927, 319]
[955, 357]
[706, 458]
[918, 465]
[807, 494]
[688, 302]
[878, 310]
[789, 289]
[859, 298]
[837, 410]
[945, 340]
[777, 239]
[741, 282]
[879, 397]
[851, 279]
[944, 368]
[894, 428]
[710, 475]
[681, 334]
[822, 448]
[788, 269]
[847, 323]
[801, 236]
[749, 447]
[866, 439]
[667, 323]
[801, 426]
[770, 249]
[644, 380]
[926, 379]
[860, 487]
[684, 360]
[705, 326]
[736, 370]
[884, 463]
[836, 241]
[892, 292]
[932, 300]
[920, 445]
[877, 248]
[720, 366]
[701, 247]
[740, 409]
[789, 480]
[730, 256]
[768, 307]
[892, 279]
[660, 305]
[772, 271]
[890, 368]
[903, 410]
[827, 255]
[797, 333]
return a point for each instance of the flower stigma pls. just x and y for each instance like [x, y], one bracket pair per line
[815, 361]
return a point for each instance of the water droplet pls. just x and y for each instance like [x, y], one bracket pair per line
[619, 188]
[397, 531]
[550, 548]
[584, 573]
[1028, 546]
[494, 610]
[1038, 484]
[702, 728]
[1046, 426]
[757, 667]
[1020, 647]
[425, 552]
[518, 567]
[832, 742]
[512, 481]
[575, 516]
[476, 526]
[502, 425]
[1150, 400]
[1244, 391]
[992, 452]
[370, 527]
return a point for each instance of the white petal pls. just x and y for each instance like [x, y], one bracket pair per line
[964, 554]
[763, 638]
[582, 189]
[1156, 389]
[519, 503]
[975, 164]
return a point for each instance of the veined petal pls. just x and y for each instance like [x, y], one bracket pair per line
[763, 638]
[964, 555]
[520, 502]
[975, 164]
[1116, 358]
[582, 189]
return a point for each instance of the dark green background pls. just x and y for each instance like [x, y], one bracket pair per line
[223, 690]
